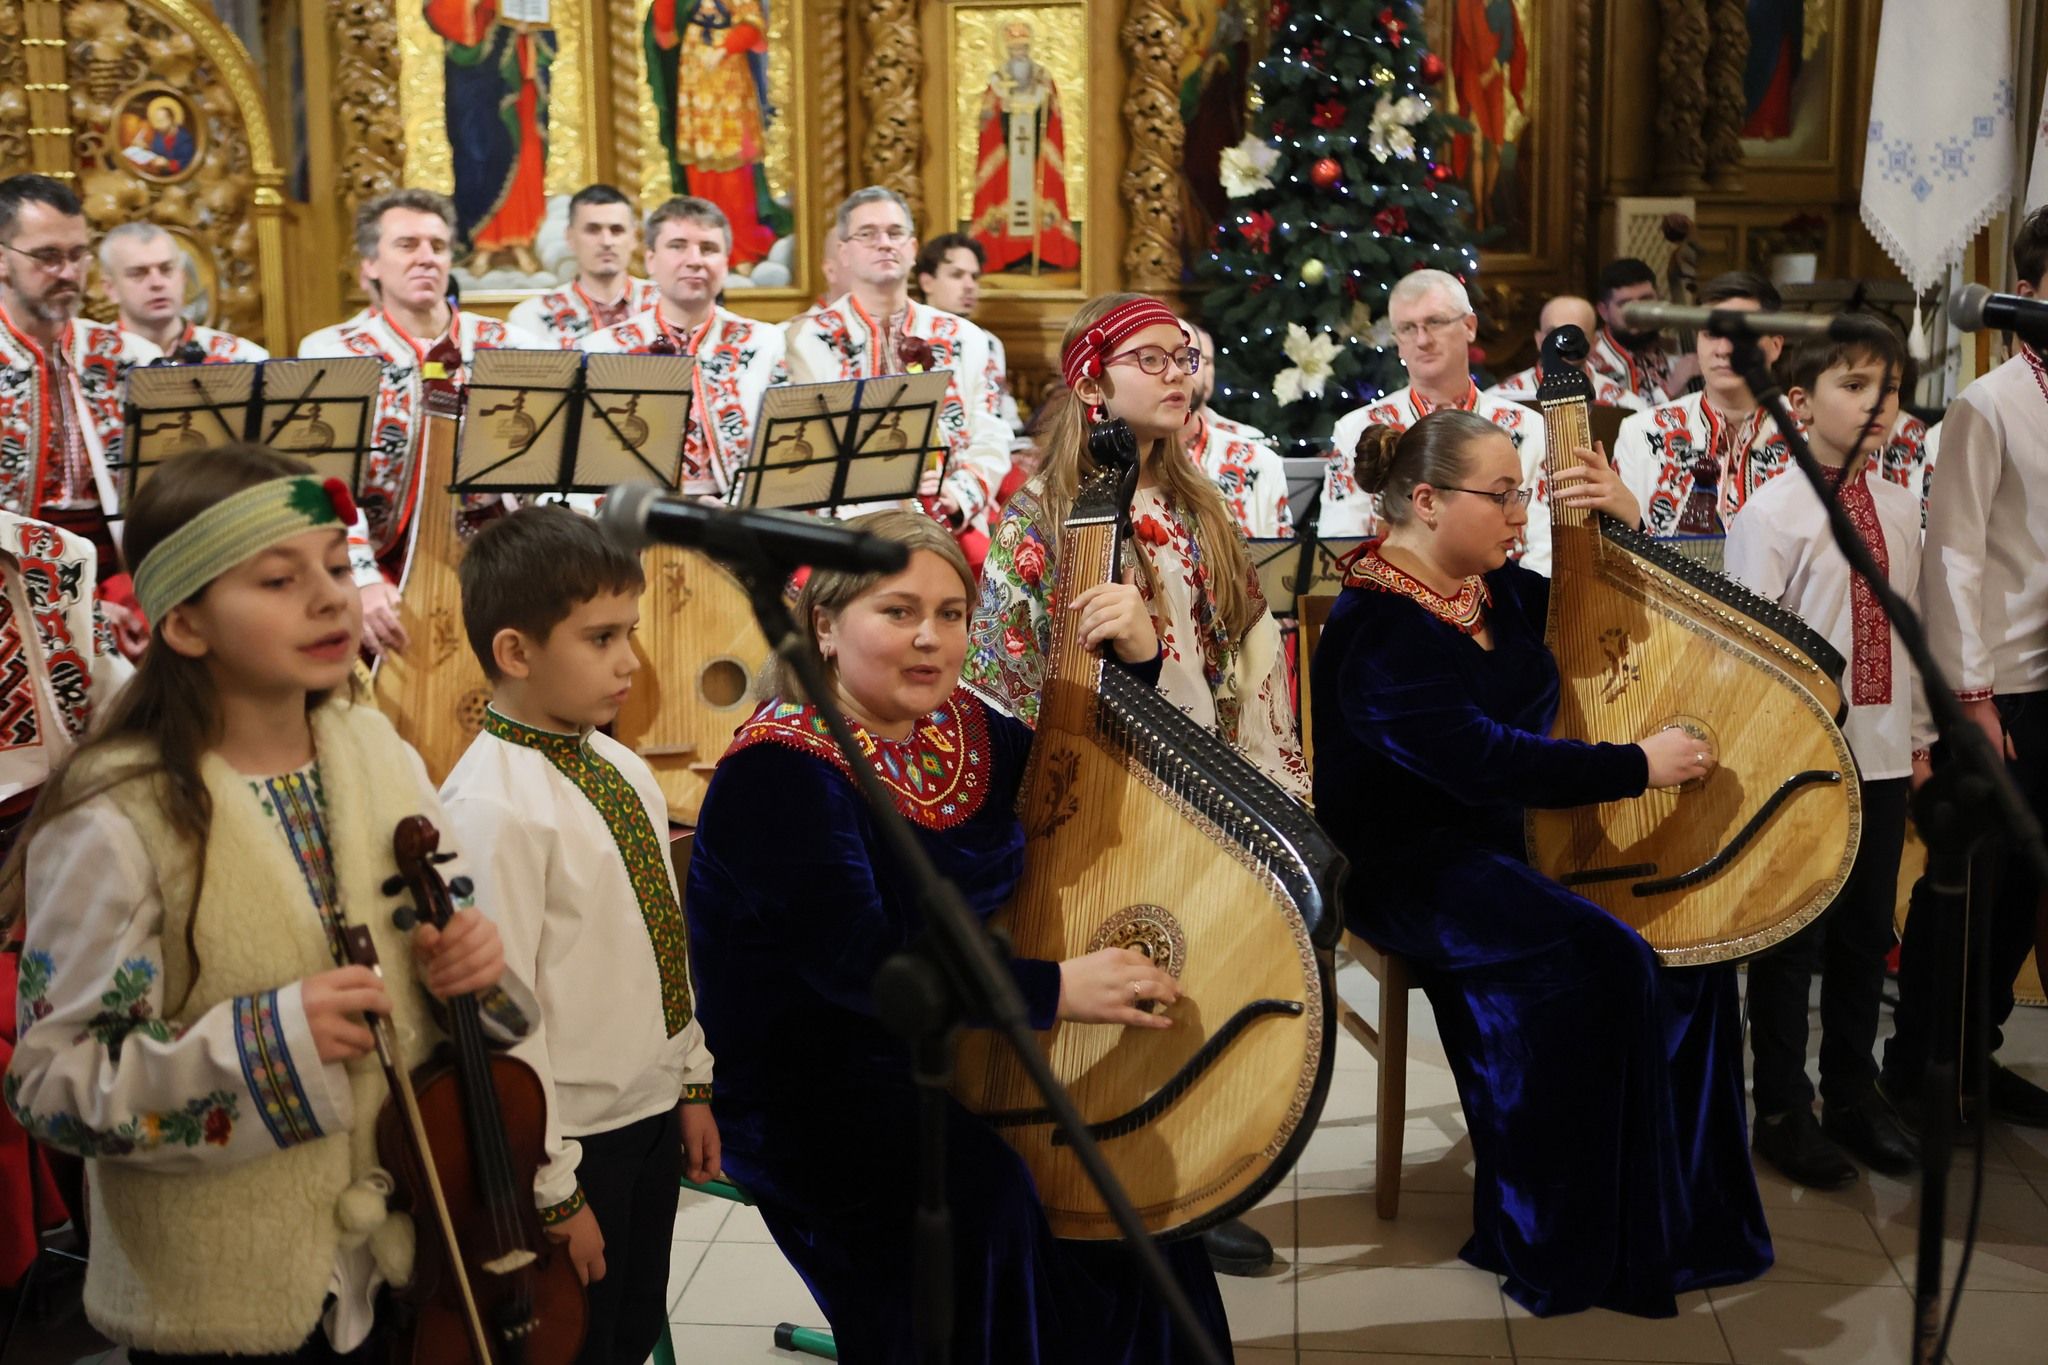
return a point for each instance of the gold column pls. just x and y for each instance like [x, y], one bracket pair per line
[48, 89]
[1681, 152]
[890, 87]
[1151, 179]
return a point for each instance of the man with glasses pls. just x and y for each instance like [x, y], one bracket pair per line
[61, 382]
[1434, 326]
[689, 242]
[1248, 470]
[604, 293]
[878, 329]
[142, 269]
[405, 241]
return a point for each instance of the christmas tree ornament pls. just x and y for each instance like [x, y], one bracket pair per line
[1432, 67]
[1313, 271]
[1325, 173]
[1330, 114]
[1383, 76]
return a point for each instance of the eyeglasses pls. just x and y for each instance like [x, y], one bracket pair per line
[869, 236]
[54, 259]
[1513, 497]
[1154, 359]
[1409, 331]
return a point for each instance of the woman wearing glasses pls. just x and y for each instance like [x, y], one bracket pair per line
[1603, 1093]
[1127, 356]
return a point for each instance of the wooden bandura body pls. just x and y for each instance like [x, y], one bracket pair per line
[1146, 830]
[700, 651]
[1646, 638]
[434, 693]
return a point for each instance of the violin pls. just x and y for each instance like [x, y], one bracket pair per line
[463, 1136]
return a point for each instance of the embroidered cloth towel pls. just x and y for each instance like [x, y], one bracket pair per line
[2037, 182]
[1938, 162]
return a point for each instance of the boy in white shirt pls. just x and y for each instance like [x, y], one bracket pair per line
[568, 833]
[1846, 395]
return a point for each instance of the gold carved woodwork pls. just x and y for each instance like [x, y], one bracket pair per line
[370, 147]
[1152, 169]
[831, 156]
[33, 80]
[623, 38]
[226, 207]
[15, 100]
[1721, 124]
[891, 82]
[1682, 98]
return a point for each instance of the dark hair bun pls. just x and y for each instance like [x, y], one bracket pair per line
[1373, 460]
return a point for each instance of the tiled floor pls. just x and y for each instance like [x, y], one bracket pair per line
[1350, 1289]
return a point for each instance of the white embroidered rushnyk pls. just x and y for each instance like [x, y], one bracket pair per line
[1938, 160]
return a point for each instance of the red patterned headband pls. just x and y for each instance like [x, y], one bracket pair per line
[1095, 346]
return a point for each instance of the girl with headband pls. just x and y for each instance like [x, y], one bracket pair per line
[1127, 356]
[186, 878]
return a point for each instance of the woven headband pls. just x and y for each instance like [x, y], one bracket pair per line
[234, 530]
[1093, 348]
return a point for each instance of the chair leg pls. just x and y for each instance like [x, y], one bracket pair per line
[665, 1349]
[1393, 1089]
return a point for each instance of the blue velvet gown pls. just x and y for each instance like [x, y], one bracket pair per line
[791, 910]
[1603, 1093]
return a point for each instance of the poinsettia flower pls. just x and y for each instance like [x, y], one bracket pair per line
[1247, 168]
[1314, 358]
[1257, 228]
[1389, 134]
[1330, 114]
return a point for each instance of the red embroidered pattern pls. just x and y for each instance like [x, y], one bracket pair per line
[1870, 649]
[1464, 613]
[939, 775]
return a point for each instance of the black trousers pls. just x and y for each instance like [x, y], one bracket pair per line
[2003, 896]
[632, 1177]
[1846, 945]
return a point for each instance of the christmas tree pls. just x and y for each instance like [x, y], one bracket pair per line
[1336, 193]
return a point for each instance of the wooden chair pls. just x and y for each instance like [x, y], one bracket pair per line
[1387, 1038]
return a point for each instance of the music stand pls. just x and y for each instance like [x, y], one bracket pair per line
[818, 446]
[1279, 566]
[319, 410]
[569, 422]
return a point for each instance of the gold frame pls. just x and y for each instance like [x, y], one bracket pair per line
[194, 123]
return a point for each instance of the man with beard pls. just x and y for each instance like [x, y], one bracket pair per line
[689, 243]
[406, 243]
[60, 381]
[142, 269]
[1635, 360]
[603, 294]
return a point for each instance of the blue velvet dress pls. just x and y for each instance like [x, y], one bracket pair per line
[1603, 1092]
[791, 909]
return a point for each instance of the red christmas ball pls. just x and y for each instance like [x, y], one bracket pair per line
[1439, 173]
[1432, 68]
[1325, 173]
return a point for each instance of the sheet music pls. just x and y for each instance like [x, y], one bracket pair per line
[886, 428]
[513, 420]
[319, 410]
[180, 409]
[638, 416]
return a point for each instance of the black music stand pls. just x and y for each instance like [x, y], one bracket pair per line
[322, 411]
[568, 422]
[1282, 580]
[849, 441]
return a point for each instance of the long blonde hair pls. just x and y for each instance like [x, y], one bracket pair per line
[1065, 462]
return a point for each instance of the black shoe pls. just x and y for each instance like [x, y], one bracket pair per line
[1905, 1107]
[1870, 1133]
[1237, 1249]
[2016, 1099]
[1794, 1143]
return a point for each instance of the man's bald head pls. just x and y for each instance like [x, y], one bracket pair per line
[1566, 309]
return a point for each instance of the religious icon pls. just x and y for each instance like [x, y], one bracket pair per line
[496, 74]
[1490, 80]
[1217, 55]
[707, 67]
[157, 134]
[1020, 185]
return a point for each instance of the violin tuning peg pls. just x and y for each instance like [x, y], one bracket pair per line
[405, 917]
[439, 858]
[394, 884]
[462, 886]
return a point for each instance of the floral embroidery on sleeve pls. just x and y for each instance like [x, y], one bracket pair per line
[208, 1120]
[1012, 629]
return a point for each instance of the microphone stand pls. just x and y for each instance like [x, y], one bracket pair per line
[924, 993]
[1968, 798]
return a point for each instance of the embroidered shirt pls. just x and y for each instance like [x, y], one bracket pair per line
[1464, 611]
[566, 316]
[568, 836]
[938, 773]
[1251, 474]
[58, 663]
[1347, 510]
[1522, 386]
[1780, 547]
[46, 411]
[1661, 454]
[213, 347]
[1645, 373]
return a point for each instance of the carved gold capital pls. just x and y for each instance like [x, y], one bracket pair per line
[1151, 179]
[890, 88]
[370, 141]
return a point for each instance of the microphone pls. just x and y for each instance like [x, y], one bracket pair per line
[1657, 317]
[639, 514]
[1975, 307]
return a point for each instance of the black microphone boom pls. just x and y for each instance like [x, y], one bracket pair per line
[1657, 317]
[638, 514]
[1975, 307]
